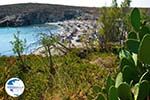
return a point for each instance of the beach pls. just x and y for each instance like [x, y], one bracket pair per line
[74, 32]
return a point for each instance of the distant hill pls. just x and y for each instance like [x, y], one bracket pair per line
[34, 13]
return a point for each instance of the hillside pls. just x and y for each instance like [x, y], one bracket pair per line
[34, 13]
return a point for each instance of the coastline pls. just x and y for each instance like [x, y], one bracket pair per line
[72, 31]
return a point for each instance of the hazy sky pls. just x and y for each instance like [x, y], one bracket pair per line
[95, 3]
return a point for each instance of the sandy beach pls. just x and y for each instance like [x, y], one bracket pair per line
[72, 31]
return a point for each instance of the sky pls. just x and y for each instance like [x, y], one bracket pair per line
[88, 3]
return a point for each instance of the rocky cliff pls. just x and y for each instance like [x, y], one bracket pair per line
[28, 14]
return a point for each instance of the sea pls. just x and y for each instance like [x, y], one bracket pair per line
[31, 34]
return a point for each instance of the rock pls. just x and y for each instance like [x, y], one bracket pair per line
[82, 54]
[28, 14]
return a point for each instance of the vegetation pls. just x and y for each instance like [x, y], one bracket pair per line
[114, 24]
[86, 73]
[47, 42]
[133, 80]
[18, 48]
[126, 3]
[72, 79]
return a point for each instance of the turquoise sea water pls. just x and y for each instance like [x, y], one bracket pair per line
[29, 33]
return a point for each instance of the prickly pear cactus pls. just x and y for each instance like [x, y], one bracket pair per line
[144, 49]
[133, 80]
[136, 19]
[124, 92]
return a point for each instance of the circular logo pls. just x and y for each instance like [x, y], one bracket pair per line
[14, 87]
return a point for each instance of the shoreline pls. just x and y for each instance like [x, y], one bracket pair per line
[72, 31]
